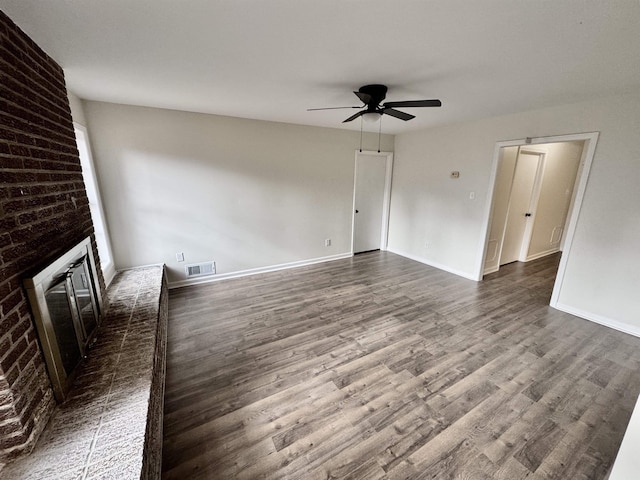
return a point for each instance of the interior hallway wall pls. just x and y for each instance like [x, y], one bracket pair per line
[558, 178]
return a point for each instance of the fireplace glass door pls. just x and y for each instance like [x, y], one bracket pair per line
[66, 303]
[82, 284]
[64, 324]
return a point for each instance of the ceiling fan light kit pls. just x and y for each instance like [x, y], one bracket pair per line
[372, 109]
[371, 117]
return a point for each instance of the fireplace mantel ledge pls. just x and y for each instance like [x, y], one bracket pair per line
[110, 426]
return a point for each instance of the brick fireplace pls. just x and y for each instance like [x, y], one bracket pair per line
[44, 211]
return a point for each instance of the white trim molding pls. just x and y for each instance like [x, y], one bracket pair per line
[580, 187]
[108, 274]
[593, 317]
[255, 271]
[488, 271]
[433, 264]
[536, 256]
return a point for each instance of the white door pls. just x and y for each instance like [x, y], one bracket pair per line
[520, 203]
[369, 202]
[501, 196]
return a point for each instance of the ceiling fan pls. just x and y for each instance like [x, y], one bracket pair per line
[372, 97]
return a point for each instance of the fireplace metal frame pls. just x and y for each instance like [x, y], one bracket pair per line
[58, 273]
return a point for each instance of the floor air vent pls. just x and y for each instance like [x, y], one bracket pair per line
[200, 269]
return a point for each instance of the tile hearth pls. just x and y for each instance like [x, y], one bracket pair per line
[110, 427]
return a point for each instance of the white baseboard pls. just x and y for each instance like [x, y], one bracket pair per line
[439, 266]
[490, 270]
[108, 273]
[542, 254]
[528, 259]
[592, 317]
[255, 271]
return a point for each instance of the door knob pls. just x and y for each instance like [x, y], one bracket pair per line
[356, 211]
[527, 214]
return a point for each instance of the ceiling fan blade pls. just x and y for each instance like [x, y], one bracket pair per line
[364, 97]
[415, 103]
[398, 114]
[353, 117]
[328, 108]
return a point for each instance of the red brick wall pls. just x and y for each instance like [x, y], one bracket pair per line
[43, 212]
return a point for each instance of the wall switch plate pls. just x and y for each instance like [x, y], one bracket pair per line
[472, 195]
[455, 174]
[327, 242]
[180, 257]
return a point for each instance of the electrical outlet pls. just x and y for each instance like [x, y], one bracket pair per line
[327, 242]
[180, 257]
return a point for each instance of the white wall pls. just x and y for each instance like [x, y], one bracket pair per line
[561, 164]
[246, 194]
[101, 231]
[432, 217]
[603, 269]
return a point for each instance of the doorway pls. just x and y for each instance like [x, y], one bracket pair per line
[545, 233]
[371, 200]
[533, 194]
[525, 189]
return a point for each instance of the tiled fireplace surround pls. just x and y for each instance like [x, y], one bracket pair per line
[44, 212]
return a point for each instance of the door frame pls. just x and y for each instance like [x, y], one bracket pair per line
[591, 139]
[386, 205]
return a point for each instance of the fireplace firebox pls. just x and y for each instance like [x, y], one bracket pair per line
[67, 306]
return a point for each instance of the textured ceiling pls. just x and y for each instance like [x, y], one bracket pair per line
[272, 60]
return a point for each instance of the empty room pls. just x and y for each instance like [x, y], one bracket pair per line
[319, 240]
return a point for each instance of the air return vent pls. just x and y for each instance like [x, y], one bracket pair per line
[200, 269]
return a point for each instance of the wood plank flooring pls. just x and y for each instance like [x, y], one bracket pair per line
[379, 367]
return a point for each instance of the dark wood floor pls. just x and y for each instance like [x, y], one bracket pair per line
[381, 367]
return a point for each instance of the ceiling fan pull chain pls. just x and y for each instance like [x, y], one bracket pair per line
[379, 132]
[360, 133]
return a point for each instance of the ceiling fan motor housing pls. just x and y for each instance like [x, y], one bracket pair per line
[376, 94]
